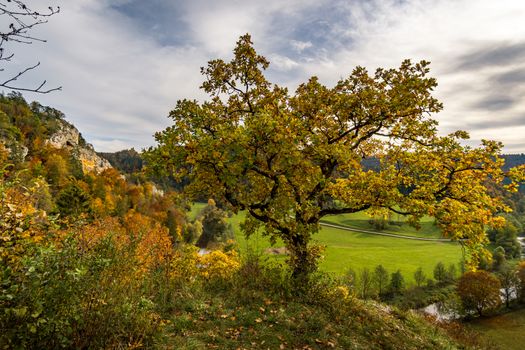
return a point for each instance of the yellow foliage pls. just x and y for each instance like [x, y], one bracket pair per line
[184, 263]
[341, 292]
[88, 165]
[20, 221]
[98, 207]
[218, 264]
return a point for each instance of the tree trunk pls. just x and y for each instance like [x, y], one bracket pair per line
[302, 261]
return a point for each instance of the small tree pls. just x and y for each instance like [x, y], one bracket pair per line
[498, 258]
[192, 231]
[440, 273]
[509, 282]
[419, 277]
[397, 282]
[451, 273]
[479, 291]
[506, 237]
[521, 280]
[73, 201]
[365, 283]
[380, 279]
[215, 228]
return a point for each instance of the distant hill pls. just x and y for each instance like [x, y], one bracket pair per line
[127, 161]
[512, 160]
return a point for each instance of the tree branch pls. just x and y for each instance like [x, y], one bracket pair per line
[38, 89]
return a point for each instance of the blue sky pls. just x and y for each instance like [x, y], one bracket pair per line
[123, 64]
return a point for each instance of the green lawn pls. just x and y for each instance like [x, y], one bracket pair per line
[361, 221]
[507, 331]
[345, 249]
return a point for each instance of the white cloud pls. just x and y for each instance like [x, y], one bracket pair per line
[300, 46]
[282, 63]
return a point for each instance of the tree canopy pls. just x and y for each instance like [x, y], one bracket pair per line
[290, 159]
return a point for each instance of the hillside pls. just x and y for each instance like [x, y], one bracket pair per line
[127, 161]
[73, 230]
[26, 128]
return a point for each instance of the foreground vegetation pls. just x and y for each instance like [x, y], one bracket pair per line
[506, 330]
[105, 294]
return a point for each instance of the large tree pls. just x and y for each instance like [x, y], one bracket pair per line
[290, 159]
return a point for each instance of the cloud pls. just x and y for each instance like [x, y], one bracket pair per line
[123, 64]
[496, 103]
[507, 123]
[117, 83]
[300, 46]
[490, 55]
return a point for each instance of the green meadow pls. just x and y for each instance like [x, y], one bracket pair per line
[398, 225]
[346, 249]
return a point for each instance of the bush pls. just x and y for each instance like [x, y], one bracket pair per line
[479, 291]
[69, 298]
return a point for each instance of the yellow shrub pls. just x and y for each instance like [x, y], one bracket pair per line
[218, 264]
[184, 263]
[341, 292]
[20, 221]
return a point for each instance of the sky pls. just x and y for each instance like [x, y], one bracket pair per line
[123, 64]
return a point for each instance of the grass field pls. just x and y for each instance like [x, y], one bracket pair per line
[355, 250]
[361, 221]
[507, 331]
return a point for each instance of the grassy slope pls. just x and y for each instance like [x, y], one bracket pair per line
[256, 311]
[357, 250]
[508, 330]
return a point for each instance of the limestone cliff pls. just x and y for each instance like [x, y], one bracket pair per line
[67, 136]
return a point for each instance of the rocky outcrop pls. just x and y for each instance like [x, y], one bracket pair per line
[91, 161]
[66, 136]
[69, 137]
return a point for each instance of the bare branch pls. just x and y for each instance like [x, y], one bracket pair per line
[6, 83]
[21, 20]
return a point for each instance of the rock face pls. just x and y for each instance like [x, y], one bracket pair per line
[69, 137]
[66, 136]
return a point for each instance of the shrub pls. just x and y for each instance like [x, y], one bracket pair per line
[479, 291]
[70, 298]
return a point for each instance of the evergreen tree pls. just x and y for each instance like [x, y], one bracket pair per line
[440, 273]
[73, 201]
[397, 282]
